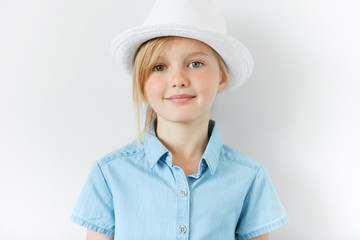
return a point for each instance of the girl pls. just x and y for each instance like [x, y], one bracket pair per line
[178, 180]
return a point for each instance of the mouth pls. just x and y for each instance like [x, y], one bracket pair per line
[180, 98]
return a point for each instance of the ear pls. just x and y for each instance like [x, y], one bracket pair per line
[224, 82]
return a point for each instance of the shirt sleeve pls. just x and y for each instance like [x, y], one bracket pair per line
[94, 208]
[262, 211]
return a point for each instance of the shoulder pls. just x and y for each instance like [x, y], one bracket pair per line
[131, 150]
[240, 159]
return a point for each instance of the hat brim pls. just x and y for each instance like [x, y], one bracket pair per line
[236, 56]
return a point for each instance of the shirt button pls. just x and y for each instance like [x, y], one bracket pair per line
[183, 193]
[202, 164]
[182, 229]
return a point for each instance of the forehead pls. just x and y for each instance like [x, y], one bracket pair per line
[184, 46]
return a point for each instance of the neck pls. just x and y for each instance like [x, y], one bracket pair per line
[183, 140]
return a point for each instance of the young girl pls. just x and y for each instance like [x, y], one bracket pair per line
[178, 180]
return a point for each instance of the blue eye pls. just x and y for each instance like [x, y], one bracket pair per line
[159, 68]
[195, 64]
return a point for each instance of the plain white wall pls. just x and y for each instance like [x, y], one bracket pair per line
[65, 104]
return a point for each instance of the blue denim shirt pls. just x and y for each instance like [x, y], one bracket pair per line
[137, 193]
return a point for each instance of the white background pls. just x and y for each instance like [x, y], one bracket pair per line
[65, 104]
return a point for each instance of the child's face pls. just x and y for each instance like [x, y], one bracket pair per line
[184, 81]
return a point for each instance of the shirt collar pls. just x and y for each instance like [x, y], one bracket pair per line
[155, 150]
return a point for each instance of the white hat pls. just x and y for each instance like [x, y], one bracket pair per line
[196, 19]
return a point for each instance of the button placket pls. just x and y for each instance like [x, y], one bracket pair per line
[183, 204]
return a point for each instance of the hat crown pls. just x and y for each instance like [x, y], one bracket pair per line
[196, 13]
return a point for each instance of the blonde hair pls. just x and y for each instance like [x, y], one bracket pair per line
[145, 58]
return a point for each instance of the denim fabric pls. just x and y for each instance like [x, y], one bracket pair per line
[136, 193]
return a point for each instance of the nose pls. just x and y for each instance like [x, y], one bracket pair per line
[179, 79]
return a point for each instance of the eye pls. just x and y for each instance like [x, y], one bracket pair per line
[159, 68]
[195, 64]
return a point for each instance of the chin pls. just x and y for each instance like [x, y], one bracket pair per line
[182, 118]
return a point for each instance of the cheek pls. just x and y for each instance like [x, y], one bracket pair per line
[208, 84]
[153, 89]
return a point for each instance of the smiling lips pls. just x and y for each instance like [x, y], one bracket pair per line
[181, 98]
